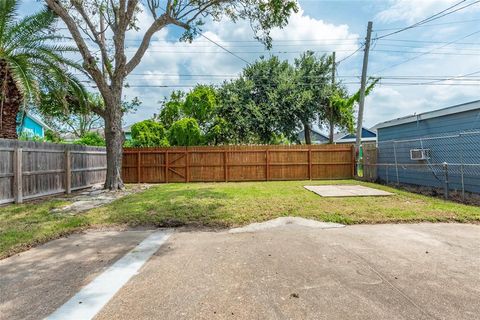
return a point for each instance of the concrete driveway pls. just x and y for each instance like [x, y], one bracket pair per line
[421, 271]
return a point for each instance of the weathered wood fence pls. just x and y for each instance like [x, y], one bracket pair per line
[33, 169]
[237, 163]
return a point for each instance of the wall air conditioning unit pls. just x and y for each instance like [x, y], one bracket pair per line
[420, 154]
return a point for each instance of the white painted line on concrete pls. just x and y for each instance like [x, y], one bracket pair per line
[283, 221]
[94, 296]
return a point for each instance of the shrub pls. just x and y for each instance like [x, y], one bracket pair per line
[185, 132]
[149, 133]
[91, 139]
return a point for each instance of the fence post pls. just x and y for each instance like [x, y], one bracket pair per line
[396, 162]
[445, 168]
[225, 164]
[166, 166]
[68, 172]
[310, 162]
[267, 161]
[138, 167]
[17, 178]
[462, 167]
[353, 161]
[187, 165]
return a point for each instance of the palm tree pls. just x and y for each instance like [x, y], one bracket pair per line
[30, 63]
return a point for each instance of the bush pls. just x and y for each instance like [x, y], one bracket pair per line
[149, 133]
[185, 132]
[52, 136]
[200, 104]
[91, 139]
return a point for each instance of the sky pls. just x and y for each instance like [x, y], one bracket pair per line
[436, 51]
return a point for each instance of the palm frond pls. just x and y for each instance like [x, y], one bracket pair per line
[8, 12]
[29, 30]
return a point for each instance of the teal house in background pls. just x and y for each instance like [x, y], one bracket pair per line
[31, 126]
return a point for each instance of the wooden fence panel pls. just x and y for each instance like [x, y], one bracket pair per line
[33, 169]
[369, 162]
[237, 163]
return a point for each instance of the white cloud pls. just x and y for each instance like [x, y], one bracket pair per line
[165, 60]
[412, 10]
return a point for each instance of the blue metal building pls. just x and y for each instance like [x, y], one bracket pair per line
[440, 148]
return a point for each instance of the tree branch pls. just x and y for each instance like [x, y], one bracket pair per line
[90, 64]
[157, 25]
[96, 35]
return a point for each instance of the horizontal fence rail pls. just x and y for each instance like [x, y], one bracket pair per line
[237, 163]
[30, 169]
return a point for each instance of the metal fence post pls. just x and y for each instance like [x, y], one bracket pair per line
[396, 162]
[18, 175]
[445, 168]
[462, 165]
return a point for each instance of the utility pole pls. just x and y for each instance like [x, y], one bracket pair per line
[363, 85]
[334, 70]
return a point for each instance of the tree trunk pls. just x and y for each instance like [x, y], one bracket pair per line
[332, 127]
[10, 101]
[114, 141]
[308, 133]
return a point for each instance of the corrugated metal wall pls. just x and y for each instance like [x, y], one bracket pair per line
[454, 144]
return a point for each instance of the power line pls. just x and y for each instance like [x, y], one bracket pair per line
[428, 41]
[227, 50]
[457, 78]
[436, 16]
[433, 24]
[428, 52]
[351, 55]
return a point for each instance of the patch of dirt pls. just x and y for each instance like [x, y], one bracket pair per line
[95, 197]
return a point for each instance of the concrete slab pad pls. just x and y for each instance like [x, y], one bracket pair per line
[346, 191]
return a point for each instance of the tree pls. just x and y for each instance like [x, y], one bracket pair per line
[311, 94]
[200, 104]
[149, 133]
[172, 109]
[258, 106]
[75, 116]
[74, 113]
[342, 107]
[30, 63]
[96, 18]
[185, 132]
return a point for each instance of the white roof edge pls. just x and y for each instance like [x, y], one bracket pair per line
[468, 106]
[354, 139]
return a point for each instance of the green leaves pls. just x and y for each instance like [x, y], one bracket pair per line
[149, 133]
[36, 64]
[185, 132]
[200, 104]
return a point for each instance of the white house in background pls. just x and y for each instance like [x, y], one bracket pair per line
[367, 136]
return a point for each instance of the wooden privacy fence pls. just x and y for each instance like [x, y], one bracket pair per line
[32, 169]
[237, 163]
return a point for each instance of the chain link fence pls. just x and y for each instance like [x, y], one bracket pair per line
[447, 164]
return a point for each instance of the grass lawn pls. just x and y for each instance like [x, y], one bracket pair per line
[224, 205]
